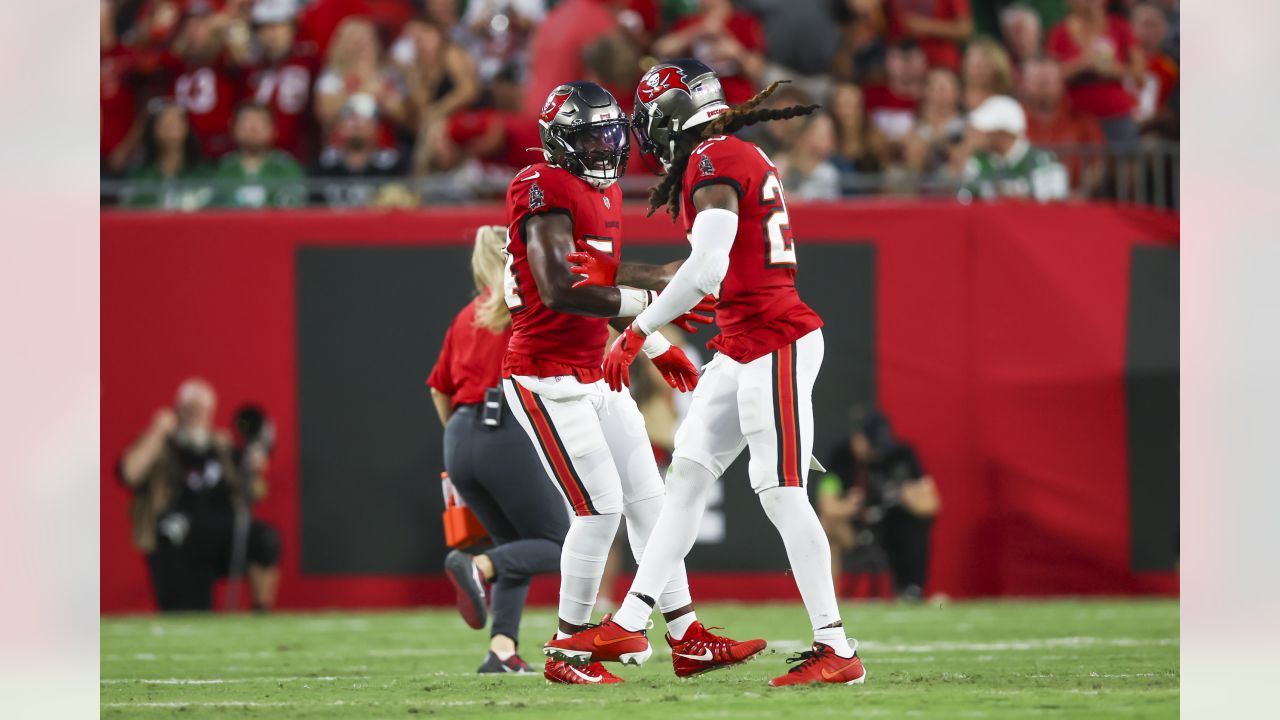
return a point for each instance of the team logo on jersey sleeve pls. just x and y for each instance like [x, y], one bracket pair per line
[705, 167]
[659, 81]
[554, 101]
[536, 200]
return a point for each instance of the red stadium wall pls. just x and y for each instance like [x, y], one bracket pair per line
[1000, 351]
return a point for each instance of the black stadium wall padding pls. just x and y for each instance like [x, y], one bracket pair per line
[370, 323]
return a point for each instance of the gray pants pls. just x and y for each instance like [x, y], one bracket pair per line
[500, 477]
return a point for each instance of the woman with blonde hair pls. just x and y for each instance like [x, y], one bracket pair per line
[986, 71]
[492, 465]
[354, 65]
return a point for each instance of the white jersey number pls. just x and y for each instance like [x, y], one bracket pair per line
[777, 225]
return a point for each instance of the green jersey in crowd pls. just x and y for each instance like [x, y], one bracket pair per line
[188, 190]
[1026, 172]
[277, 182]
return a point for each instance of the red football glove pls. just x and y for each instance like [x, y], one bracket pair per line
[676, 369]
[617, 362]
[685, 322]
[595, 266]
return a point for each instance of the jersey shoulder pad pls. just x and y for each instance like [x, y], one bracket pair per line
[541, 187]
[723, 159]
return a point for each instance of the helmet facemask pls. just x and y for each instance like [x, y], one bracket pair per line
[596, 152]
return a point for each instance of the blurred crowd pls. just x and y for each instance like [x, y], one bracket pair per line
[273, 103]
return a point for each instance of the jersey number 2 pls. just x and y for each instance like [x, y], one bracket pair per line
[777, 226]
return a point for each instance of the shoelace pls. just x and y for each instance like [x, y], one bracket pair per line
[709, 638]
[806, 659]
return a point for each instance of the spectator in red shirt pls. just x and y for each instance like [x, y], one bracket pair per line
[205, 86]
[892, 106]
[1021, 32]
[727, 40]
[118, 103]
[986, 72]
[555, 55]
[1099, 56]
[1150, 27]
[940, 26]
[1075, 137]
[280, 75]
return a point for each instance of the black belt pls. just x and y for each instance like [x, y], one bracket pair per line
[487, 414]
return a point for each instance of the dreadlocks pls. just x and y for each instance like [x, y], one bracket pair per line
[667, 192]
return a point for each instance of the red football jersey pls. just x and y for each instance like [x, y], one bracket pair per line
[759, 309]
[285, 87]
[544, 342]
[208, 92]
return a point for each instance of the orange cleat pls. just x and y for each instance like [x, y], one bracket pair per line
[606, 642]
[823, 665]
[561, 672]
[700, 651]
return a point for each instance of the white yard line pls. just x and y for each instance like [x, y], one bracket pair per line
[998, 646]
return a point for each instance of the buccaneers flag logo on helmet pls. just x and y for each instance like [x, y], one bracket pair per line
[659, 81]
[554, 101]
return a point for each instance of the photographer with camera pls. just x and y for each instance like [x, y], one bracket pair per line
[492, 465]
[192, 490]
[877, 498]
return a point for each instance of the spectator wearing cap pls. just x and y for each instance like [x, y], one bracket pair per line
[940, 26]
[1001, 162]
[1021, 32]
[280, 74]
[986, 72]
[728, 40]
[1053, 123]
[349, 165]
[206, 85]
[439, 78]
[257, 175]
[1099, 56]
[172, 169]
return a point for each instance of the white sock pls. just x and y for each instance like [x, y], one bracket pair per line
[504, 655]
[789, 510]
[642, 518]
[662, 557]
[835, 639]
[582, 561]
[562, 635]
[678, 627]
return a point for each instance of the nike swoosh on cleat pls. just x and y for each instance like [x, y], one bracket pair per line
[602, 643]
[705, 656]
[584, 676]
[827, 676]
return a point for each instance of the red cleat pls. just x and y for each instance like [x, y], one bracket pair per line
[699, 651]
[823, 665]
[606, 642]
[559, 671]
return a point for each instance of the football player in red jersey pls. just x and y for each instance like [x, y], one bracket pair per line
[592, 441]
[756, 392]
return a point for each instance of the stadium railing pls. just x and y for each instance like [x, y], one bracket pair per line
[1145, 173]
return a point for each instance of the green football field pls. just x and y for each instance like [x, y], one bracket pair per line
[962, 660]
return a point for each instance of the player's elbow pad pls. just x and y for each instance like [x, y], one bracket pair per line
[712, 237]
